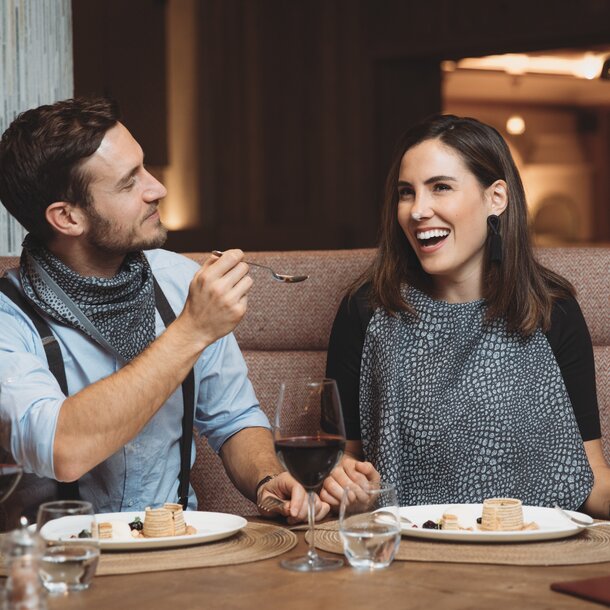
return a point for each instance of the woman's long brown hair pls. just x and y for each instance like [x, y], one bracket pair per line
[518, 289]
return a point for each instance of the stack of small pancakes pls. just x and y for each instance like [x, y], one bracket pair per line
[449, 522]
[117, 530]
[166, 521]
[502, 514]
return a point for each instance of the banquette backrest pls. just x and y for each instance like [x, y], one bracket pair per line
[285, 332]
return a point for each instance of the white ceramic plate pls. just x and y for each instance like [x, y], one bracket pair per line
[550, 523]
[209, 526]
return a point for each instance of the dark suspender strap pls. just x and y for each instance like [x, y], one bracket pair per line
[188, 396]
[49, 342]
[69, 491]
[66, 491]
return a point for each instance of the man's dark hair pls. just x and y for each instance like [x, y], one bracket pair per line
[41, 154]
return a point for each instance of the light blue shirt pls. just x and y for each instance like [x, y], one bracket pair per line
[145, 471]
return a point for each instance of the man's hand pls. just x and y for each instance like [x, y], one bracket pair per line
[217, 297]
[350, 471]
[284, 486]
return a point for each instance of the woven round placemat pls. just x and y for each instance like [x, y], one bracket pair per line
[255, 542]
[590, 546]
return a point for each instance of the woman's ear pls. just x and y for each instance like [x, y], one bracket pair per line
[65, 218]
[497, 194]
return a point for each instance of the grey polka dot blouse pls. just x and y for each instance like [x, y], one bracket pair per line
[453, 409]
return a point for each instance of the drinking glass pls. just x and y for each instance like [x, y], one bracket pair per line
[69, 529]
[369, 525]
[309, 438]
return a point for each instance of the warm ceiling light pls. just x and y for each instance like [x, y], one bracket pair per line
[589, 67]
[515, 125]
[584, 65]
[516, 64]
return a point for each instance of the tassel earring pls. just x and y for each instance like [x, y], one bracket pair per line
[495, 239]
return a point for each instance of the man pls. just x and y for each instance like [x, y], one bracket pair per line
[74, 177]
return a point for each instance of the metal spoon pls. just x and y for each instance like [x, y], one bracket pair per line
[577, 521]
[280, 277]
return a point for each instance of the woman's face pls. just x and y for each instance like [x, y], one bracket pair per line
[443, 210]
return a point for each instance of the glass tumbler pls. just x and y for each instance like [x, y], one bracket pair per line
[369, 525]
[69, 530]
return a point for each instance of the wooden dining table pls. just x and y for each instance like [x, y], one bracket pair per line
[265, 585]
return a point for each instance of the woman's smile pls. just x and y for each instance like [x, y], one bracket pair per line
[430, 240]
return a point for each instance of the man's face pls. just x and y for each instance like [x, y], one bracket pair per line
[123, 215]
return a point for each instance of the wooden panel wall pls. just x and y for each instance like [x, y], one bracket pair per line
[298, 122]
[119, 51]
[303, 100]
[467, 28]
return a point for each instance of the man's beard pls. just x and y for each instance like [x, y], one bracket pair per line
[107, 237]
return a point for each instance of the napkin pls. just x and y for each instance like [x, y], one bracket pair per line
[594, 589]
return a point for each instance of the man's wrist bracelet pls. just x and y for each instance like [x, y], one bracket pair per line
[264, 480]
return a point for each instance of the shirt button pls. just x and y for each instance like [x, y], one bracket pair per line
[130, 503]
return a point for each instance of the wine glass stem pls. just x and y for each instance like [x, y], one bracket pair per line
[311, 516]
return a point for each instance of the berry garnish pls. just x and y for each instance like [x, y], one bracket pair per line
[430, 525]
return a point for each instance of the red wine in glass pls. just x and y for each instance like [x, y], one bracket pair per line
[309, 438]
[309, 459]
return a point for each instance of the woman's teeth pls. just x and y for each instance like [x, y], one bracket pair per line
[433, 234]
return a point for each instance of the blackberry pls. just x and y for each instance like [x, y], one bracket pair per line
[430, 525]
[137, 524]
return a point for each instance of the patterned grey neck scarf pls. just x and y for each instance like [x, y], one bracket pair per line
[121, 308]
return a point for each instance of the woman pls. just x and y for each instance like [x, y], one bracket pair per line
[465, 367]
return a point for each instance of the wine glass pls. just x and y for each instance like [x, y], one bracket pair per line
[309, 438]
[10, 471]
[10, 475]
[69, 529]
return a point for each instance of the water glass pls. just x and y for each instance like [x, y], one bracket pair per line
[369, 525]
[69, 529]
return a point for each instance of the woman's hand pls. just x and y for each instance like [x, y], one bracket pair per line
[350, 471]
[598, 503]
[294, 508]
